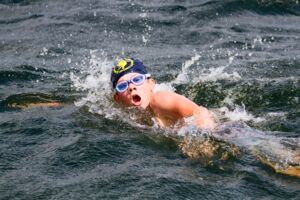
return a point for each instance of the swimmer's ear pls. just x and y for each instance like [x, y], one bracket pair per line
[116, 97]
[152, 82]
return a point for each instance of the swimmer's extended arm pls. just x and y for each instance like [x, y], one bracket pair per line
[180, 107]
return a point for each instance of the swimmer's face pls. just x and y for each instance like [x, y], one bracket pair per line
[135, 95]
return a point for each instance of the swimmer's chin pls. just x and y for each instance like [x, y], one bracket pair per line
[136, 103]
[140, 106]
[136, 107]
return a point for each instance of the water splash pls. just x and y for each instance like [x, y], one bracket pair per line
[93, 79]
[183, 76]
[146, 35]
[239, 113]
[218, 73]
[164, 86]
[203, 74]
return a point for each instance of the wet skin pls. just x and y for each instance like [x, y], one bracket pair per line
[167, 107]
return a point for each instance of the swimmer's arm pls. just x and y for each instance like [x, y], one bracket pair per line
[181, 107]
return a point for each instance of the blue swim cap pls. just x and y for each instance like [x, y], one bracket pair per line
[125, 66]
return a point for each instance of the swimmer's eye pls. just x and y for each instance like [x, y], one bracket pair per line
[139, 79]
[136, 80]
[122, 87]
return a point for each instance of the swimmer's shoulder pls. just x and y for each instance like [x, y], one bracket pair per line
[163, 98]
[173, 102]
[167, 96]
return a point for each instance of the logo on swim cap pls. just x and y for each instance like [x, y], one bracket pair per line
[123, 65]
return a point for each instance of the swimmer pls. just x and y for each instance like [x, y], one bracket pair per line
[134, 87]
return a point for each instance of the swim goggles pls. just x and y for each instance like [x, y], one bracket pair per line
[136, 80]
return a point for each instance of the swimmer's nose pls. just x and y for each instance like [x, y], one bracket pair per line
[131, 87]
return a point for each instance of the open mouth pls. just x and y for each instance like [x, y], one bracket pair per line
[136, 98]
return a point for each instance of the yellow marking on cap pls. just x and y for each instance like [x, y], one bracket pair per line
[123, 65]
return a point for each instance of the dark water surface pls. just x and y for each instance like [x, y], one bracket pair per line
[238, 56]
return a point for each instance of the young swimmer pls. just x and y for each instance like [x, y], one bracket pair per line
[134, 87]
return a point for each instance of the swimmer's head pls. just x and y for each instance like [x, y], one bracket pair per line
[125, 66]
[132, 84]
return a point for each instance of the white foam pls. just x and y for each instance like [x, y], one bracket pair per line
[164, 87]
[218, 73]
[93, 79]
[240, 114]
[183, 76]
[203, 74]
[277, 114]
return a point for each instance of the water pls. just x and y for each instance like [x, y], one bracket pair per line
[238, 58]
